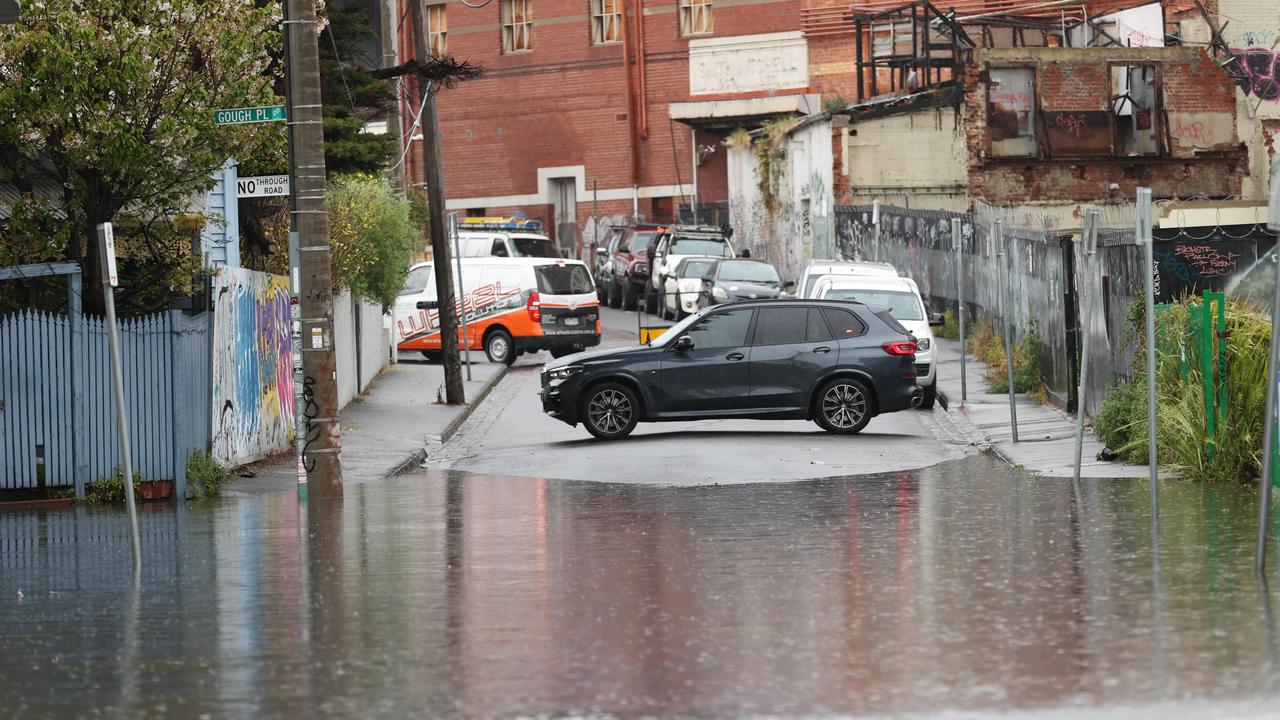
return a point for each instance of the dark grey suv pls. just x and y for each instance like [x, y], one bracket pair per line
[834, 362]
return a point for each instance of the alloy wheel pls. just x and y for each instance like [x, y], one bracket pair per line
[844, 405]
[609, 411]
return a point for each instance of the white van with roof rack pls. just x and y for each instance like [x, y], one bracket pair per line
[504, 237]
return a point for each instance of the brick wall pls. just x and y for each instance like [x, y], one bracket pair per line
[564, 103]
[1200, 155]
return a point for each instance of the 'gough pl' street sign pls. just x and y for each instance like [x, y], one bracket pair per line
[262, 186]
[238, 116]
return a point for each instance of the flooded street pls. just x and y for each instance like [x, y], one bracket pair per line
[960, 589]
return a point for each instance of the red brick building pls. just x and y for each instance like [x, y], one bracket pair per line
[592, 103]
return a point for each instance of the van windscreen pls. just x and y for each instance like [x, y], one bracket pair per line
[564, 280]
[534, 247]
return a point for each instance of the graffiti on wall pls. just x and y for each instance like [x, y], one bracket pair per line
[253, 401]
[1257, 71]
[1190, 266]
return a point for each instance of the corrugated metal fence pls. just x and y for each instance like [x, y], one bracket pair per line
[57, 411]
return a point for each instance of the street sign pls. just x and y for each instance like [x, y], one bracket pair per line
[263, 186]
[109, 240]
[239, 116]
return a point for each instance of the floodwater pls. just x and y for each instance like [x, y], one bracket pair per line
[960, 590]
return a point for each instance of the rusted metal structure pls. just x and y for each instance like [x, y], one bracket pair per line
[913, 46]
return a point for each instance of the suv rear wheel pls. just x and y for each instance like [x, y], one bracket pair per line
[615, 294]
[843, 406]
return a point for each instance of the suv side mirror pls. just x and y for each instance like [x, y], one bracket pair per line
[936, 320]
[428, 305]
[684, 343]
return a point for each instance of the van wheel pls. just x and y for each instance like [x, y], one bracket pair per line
[610, 411]
[602, 293]
[615, 295]
[628, 296]
[558, 353]
[499, 347]
[843, 406]
[431, 355]
[930, 396]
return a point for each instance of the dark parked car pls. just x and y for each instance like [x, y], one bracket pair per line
[629, 265]
[834, 362]
[733, 280]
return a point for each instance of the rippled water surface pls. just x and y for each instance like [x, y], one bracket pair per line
[967, 587]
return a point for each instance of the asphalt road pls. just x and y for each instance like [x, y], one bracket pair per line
[509, 435]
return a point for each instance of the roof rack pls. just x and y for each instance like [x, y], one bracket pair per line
[500, 223]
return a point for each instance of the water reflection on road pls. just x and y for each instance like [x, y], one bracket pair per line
[966, 586]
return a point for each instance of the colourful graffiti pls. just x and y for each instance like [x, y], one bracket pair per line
[253, 402]
[1257, 71]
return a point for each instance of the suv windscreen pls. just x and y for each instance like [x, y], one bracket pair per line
[903, 305]
[534, 247]
[564, 280]
[714, 247]
[747, 271]
[640, 242]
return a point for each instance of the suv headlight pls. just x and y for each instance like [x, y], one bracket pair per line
[719, 293]
[564, 373]
[923, 344]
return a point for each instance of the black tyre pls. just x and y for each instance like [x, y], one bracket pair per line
[843, 406]
[651, 301]
[499, 347]
[610, 411]
[930, 396]
[431, 355]
[615, 295]
[561, 352]
[602, 292]
[629, 296]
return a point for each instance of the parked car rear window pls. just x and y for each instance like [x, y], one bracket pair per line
[842, 322]
[781, 325]
[700, 246]
[818, 330]
[891, 321]
[640, 242]
[534, 247]
[903, 305]
[564, 280]
[748, 271]
[693, 268]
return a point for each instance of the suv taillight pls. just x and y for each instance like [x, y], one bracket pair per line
[902, 347]
[534, 307]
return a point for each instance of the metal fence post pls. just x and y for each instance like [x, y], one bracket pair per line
[958, 240]
[1269, 440]
[462, 293]
[1145, 238]
[1091, 246]
[1006, 269]
[875, 222]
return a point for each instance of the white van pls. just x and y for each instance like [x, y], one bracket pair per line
[504, 237]
[512, 305]
[902, 297]
[822, 268]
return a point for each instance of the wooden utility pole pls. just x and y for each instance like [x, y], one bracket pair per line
[433, 176]
[323, 441]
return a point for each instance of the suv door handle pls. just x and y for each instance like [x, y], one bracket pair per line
[823, 349]
[734, 356]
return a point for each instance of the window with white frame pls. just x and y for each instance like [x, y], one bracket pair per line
[606, 21]
[437, 30]
[517, 25]
[695, 17]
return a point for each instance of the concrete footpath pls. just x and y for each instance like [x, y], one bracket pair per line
[1047, 435]
[386, 429]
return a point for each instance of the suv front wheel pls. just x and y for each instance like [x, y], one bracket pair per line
[610, 411]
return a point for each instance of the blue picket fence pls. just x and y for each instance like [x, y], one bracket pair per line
[57, 408]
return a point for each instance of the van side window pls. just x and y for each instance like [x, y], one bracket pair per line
[499, 248]
[416, 281]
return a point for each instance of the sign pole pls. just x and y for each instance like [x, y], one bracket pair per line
[1091, 247]
[1007, 320]
[462, 293]
[958, 240]
[1269, 439]
[875, 222]
[107, 254]
[1146, 239]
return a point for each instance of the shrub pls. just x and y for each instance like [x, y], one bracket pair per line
[206, 476]
[373, 237]
[987, 345]
[109, 491]
[951, 327]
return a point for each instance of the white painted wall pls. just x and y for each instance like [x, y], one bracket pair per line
[917, 160]
[368, 339]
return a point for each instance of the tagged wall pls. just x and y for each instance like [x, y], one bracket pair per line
[1253, 33]
[253, 409]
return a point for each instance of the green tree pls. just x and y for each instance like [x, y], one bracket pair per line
[112, 101]
[373, 237]
[353, 97]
